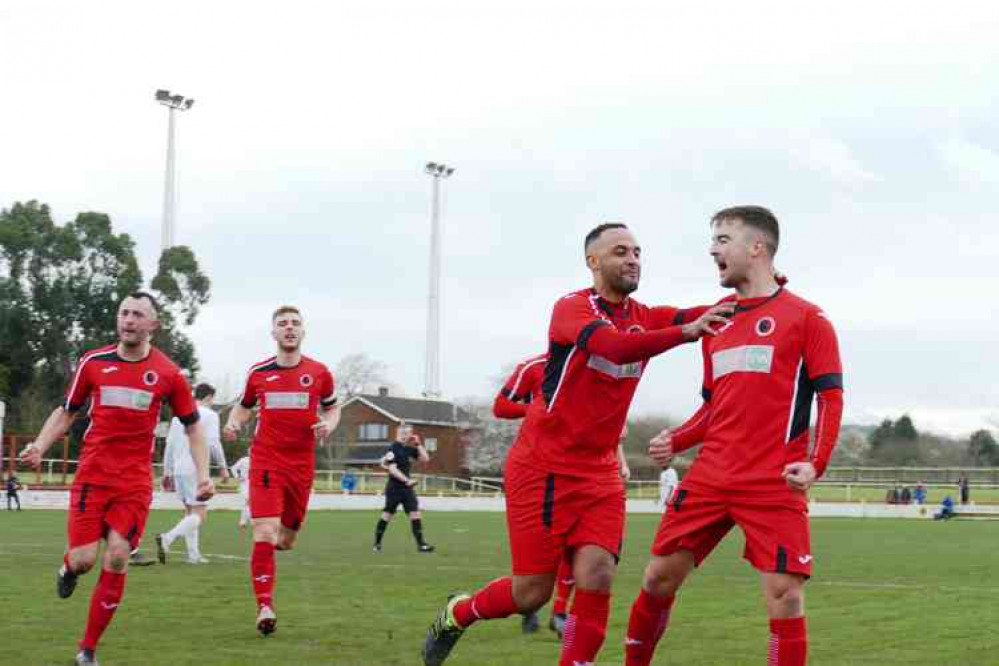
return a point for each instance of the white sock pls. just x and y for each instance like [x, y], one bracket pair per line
[193, 549]
[244, 516]
[183, 528]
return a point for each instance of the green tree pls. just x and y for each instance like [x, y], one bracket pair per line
[905, 429]
[60, 287]
[882, 434]
[983, 449]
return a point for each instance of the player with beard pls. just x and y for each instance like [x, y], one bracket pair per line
[562, 475]
[756, 464]
[297, 400]
[126, 384]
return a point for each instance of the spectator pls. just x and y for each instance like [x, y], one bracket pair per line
[890, 496]
[906, 495]
[962, 486]
[12, 486]
[348, 482]
[946, 509]
[919, 495]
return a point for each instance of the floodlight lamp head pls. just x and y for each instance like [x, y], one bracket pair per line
[430, 167]
[162, 95]
[177, 100]
[188, 103]
[449, 171]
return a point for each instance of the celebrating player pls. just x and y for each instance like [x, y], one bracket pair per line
[290, 389]
[126, 384]
[399, 487]
[562, 475]
[761, 373]
[179, 475]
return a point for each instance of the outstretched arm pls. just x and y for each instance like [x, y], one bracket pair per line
[55, 427]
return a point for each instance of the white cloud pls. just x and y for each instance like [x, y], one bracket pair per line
[972, 164]
[831, 157]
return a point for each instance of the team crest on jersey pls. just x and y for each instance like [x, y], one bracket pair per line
[306, 380]
[765, 326]
[150, 378]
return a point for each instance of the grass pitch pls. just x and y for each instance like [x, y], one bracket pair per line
[885, 592]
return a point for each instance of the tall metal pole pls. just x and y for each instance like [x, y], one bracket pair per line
[173, 103]
[169, 195]
[432, 370]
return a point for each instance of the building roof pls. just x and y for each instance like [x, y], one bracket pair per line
[415, 410]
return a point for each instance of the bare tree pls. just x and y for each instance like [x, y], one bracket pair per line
[359, 373]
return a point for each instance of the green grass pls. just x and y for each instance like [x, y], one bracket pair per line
[885, 592]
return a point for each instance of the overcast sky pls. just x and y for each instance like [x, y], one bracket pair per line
[869, 128]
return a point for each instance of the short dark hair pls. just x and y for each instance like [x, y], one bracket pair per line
[596, 232]
[149, 297]
[757, 217]
[203, 390]
[285, 309]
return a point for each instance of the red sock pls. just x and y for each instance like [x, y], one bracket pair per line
[586, 628]
[648, 621]
[493, 601]
[262, 569]
[103, 603]
[564, 583]
[788, 642]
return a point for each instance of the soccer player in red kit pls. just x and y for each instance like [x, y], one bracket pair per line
[524, 386]
[756, 462]
[126, 385]
[297, 400]
[563, 489]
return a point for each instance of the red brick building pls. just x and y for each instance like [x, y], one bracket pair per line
[368, 423]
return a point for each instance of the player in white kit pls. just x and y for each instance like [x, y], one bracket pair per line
[241, 472]
[668, 481]
[179, 475]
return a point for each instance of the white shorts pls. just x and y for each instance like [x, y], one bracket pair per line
[244, 490]
[187, 489]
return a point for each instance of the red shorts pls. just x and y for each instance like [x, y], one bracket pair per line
[547, 513]
[95, 510]
[276, 493]
[775, 525]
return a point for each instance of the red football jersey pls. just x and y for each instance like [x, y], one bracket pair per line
[574, 429]
[125, 400]
[521, 389]
[289, 400]
[761, 373]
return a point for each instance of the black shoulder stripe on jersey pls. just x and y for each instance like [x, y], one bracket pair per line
[558, 355]
[273, 365]
[706, 394]
[802, 410]
[833, 380]
[190, 419]
[588, 330]
[328, 403]
[506, 393]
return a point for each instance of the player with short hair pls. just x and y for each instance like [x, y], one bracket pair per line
[126, 385]
[179, 475]
[241, 472]
[406, 448]
[756, 464]
[562, 474]
[297, 400]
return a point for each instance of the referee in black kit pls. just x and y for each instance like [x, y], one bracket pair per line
[399, 489]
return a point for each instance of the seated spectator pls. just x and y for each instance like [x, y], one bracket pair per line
[348, 482]
[946, 509]
[919, 495]
[906, 495]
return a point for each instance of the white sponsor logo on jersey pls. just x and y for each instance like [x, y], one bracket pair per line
[126, 397]
[745, 358]
[272, 378]
[110, 369]
[286, 400]
[612, 369]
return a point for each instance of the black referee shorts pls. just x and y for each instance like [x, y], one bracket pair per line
[396, 495]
